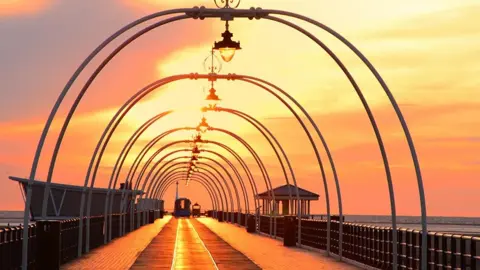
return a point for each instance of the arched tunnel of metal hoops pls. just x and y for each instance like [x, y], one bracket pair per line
[228, 191]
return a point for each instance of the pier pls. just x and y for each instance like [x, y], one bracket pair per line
[256, 211]
[208, 243]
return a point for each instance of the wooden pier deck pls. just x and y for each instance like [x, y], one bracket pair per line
[202, 243]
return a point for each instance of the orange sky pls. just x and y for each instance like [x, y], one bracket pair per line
[427, 52]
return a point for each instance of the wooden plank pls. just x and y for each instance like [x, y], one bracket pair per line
[225, 256]
[159, 253]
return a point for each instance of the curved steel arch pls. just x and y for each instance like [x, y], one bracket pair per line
[240, 179]
[161, 188]
[108, 135]
[264, 173]
[259, 162]
[253, 185]
[155, 192]
[207, 172]
[137, 97]
[231, 151]
[320, 164]
[251, 150]
[119, 164]
[167, 170]
[143, 94]
[123, 200]
[152, 193]
[179, 175]
[260, 127]
[124, 153]
[312, 142]
[200, 180]
[399, 114]
[253, 13]
[206, 178]
[237, 174]
[171, 181]
[153, 156]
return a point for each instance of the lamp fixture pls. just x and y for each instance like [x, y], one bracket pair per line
[227, 47]
[203, 125]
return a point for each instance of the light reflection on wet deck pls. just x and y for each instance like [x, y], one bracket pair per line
[190, 252]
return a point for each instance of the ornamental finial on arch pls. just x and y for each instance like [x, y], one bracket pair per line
[227, 3]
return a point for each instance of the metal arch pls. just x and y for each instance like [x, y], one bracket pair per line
[159, 187]
[67, 124]
[252, 183]
[122, 204]
[260, 127]
[231, 151]
[174, 168]
[371, 119]
[173, 180]
[92, 183]
[128, 146]
[152, 193]
[204, 177]
[138, 159]
[211, 175]
[231, 178]
[208, 180]
[257, 13]
[135, 98]
[152, 157]
[231, 166]
[121, 159]
[173, 78]
[140, 94]
[147, 164]
[222, 177]
[133, 196]
[237, 174]
[401, 119]
[207, 174]
[264, 172]
[259, 162]
[157, 152]
[83, 91]
[247, 170]
[59, 101]
[320, 164]
[147, 90]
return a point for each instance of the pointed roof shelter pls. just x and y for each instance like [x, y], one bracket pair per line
[282, 195]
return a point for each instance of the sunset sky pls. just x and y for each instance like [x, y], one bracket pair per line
[427, 51]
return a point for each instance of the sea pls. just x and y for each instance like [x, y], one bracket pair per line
[454, 225]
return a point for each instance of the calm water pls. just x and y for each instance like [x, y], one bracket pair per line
[460, 225]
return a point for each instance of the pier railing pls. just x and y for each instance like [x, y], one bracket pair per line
[372, 245]
[55, 242]
[11, 247]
